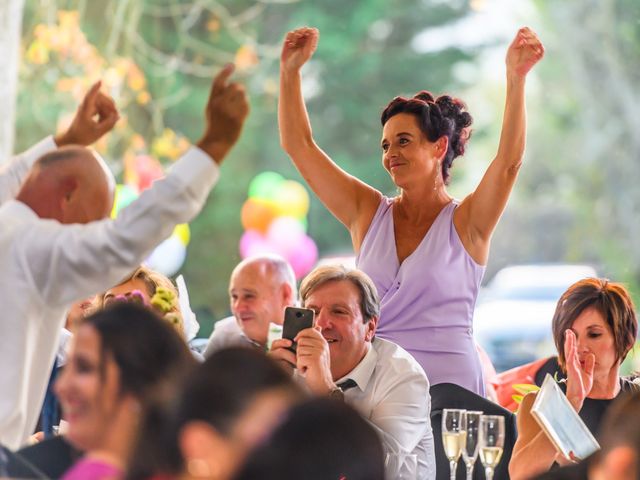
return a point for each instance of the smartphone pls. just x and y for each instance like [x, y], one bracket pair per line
[295, 320]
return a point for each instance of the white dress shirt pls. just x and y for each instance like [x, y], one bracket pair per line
[392, 392]
[13, 172]
[46, 266]
[227, 333]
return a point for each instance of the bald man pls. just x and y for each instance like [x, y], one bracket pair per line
[259, 290]
[96, 115]
[57, 246]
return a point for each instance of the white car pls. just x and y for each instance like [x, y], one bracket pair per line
[512, 319]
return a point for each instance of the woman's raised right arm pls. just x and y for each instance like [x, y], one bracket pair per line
[350, 200]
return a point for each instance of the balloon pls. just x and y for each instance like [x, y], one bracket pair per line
[124, 195]
[183, 233]
[249, 241]
[304, 257]
[285, 233]
[265, 185]
[257, 214]
[168, 257]
[148, 169]
[292, 199]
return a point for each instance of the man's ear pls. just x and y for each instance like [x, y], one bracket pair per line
[371, 327]
[68, 185]
[286, 294]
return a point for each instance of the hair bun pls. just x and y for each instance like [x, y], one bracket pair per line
[425, 96]
[455, 110]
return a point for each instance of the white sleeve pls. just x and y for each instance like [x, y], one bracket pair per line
[69, 262]
[13, 172]
[401, 416]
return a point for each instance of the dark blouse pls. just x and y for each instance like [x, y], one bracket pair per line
[593, 410]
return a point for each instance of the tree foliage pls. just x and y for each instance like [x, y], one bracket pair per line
[157, 58]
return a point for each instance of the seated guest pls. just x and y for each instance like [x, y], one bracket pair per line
[150, 288]
[122, 358]
[341, 357]
[594, 327]
[96, 115]
[259, 290]
[318, 440]
[227, 405]
[619, 455]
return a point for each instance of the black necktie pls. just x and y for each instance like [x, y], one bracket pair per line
[347, 384]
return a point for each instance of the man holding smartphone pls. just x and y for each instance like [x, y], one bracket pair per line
[340, 357]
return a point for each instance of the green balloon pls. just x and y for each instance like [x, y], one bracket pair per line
[265, 185]
[304, 222]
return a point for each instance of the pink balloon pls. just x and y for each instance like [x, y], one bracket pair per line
[249, 242]
[285, 234]
[304, 256]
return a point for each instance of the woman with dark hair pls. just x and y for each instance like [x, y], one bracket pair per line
[319, 440]
[227, 405]
[122, 359]
[594, 327]
[425, 251]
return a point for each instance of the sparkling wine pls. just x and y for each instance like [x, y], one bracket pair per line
[454, 443]
[490, 456]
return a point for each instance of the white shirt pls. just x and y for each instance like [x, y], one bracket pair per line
[393, 394]
[46, 266]
[13, 172]
[227, 333]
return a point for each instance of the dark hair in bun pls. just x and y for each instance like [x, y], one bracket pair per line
[437, 117]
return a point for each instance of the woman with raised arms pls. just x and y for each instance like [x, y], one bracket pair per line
[425, 251]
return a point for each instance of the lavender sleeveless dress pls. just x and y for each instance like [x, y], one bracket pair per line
[427, 302]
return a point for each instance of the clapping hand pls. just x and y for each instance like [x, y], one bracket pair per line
[225, 114]
[524, 52]
[579, 374]
[96, 115]
[298, 47]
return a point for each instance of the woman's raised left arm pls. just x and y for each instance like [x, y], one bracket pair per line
[481, 210]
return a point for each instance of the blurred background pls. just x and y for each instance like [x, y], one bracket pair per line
[576, 201]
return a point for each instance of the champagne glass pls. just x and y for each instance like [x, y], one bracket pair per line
[491, 442]
[454, 433]
[470, 450]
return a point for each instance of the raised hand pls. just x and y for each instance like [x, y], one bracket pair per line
[96, 115]
[298, 47]
[579, 375]
[225, 114]
[524, 52]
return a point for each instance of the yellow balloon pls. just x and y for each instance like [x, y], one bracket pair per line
[292, 199]
[183, 233]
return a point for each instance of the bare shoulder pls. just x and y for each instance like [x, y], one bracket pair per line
[476, 246]
[366, 211]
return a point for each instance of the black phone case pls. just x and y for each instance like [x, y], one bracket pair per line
[295, 320]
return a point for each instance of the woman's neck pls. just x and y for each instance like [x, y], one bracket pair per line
[607, 386]
[421, 202]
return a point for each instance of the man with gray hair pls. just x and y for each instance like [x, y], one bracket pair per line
[341, 357]
[57, 245]
[259, 290]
